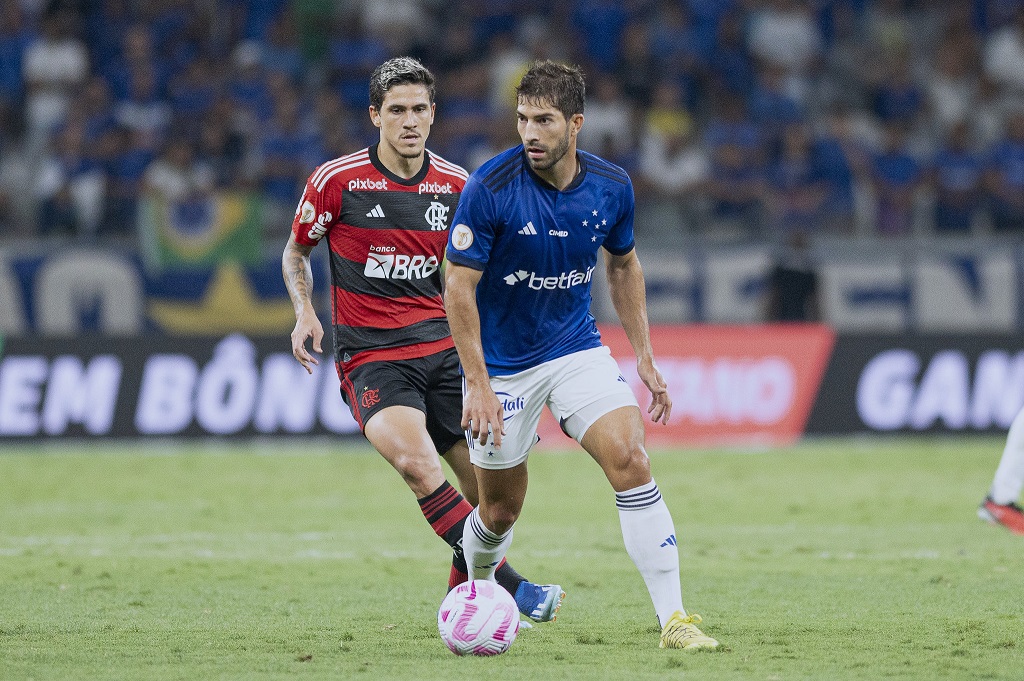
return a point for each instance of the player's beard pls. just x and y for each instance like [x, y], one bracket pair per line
[557, 154]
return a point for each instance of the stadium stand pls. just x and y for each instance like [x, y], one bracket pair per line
[878, 118]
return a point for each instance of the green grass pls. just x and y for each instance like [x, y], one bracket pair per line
[832, 560]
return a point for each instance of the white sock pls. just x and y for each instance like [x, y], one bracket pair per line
[650, 538]
[1009, 480]
[483, 549]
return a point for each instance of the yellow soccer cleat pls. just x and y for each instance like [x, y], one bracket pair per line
[681, 632]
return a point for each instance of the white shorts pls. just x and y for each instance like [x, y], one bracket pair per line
[579, 389]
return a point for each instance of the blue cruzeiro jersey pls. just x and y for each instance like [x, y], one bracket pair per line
[537, 248]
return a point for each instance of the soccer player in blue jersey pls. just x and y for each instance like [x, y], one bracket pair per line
[383, 212]
[521, 255]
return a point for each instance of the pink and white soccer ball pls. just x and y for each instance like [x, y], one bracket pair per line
[478, 618]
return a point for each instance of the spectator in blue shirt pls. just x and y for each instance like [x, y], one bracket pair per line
[771, 106]
[247, 86]
[193, 90]
[15, 36]
[222, 147]
[601, 24]
[125, 157]
[731, 65]
[637, 68]
[287, 152]
[353, 57]
[735, 183]
[896, 176]
[798, 194]
[137, 53]
[1005, 178]
[69, 186]
[838, 159]
[956, 178]
[281, 49]
[898, 96]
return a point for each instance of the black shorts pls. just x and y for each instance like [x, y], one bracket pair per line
[431, 384]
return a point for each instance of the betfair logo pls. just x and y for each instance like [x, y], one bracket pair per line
[565, 280]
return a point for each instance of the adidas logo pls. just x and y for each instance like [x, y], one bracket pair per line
[377, 212]
[671, 541]
[528, 230]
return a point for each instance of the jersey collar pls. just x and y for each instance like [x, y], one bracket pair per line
[576, 181]
[414, 180]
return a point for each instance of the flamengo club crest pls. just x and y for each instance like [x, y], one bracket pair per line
[437, 216]
[370, 397]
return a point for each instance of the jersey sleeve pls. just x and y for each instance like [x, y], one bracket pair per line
[620, 238]
[476, 223]
[316, 214]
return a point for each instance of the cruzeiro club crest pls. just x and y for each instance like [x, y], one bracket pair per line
[437, 216]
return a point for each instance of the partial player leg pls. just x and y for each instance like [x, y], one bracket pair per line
[458, 460]
[488, 532]
[502, 493]
[1000, 506]
[615, 441]
[1009, 478]
[399, 433]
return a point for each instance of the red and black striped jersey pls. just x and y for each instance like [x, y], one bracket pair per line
[387, 237]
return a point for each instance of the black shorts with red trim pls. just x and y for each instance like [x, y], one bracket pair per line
[431, 384]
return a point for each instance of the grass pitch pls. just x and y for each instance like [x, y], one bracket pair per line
[831, 560]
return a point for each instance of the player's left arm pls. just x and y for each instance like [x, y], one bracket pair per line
[626, 284]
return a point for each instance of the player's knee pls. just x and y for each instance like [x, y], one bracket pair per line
[498, 518]
[417, 471]
[631, 468]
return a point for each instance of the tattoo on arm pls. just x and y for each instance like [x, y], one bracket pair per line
[298, 274]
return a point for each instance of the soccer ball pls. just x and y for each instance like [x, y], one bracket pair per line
[478, 618]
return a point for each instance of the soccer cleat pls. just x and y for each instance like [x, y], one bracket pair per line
[1010, 515]
[539, 602]
[681, 632]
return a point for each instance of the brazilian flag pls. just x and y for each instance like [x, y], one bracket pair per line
[201, 231]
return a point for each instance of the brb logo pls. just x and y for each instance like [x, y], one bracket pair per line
[317, 231]
[364, 184]
[565, 280]
[437, 216]
[383, 263]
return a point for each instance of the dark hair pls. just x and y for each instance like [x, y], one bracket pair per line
[399, 71]
[548, 82]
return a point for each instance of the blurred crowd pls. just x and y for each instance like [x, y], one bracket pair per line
[748, 117]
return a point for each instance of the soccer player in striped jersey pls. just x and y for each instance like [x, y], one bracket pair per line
[384, 212]
[527, 233]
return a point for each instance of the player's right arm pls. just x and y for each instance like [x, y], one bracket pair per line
[298, 279]
[482, 412]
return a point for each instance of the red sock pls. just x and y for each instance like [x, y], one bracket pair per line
[456, 577]
[446, 510]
